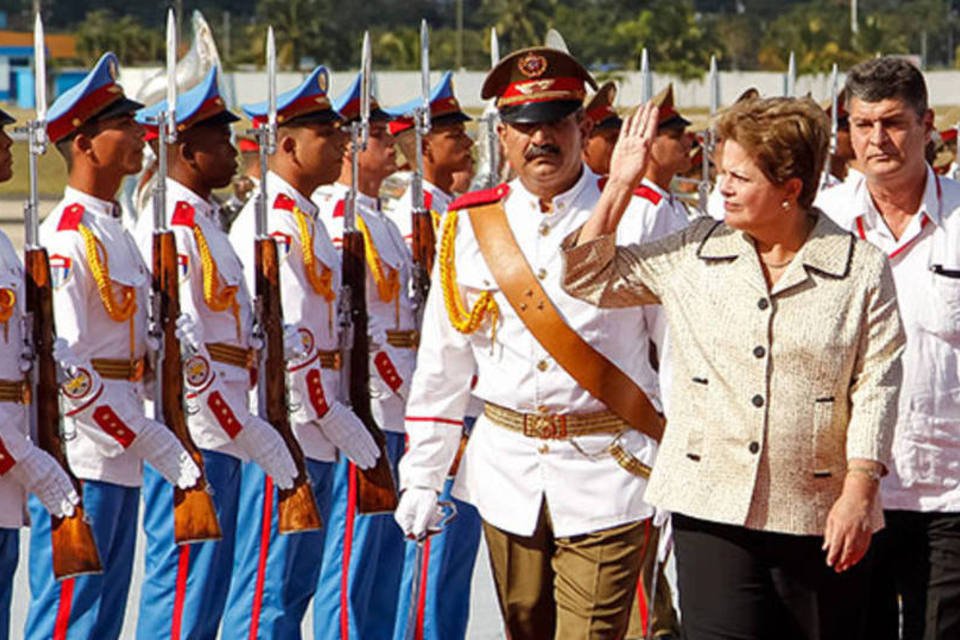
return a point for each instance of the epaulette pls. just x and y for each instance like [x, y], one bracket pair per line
[428, 201]
[339, 208]
[647, 193]
[183, 214]
[71, 217]
[477, 198]
[285, 202]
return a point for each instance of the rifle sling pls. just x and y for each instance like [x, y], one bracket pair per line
[591, 369]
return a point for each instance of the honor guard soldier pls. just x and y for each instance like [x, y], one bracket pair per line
[24, 467]
[556, 475]
[100, 297]
[446, 151]
[604, 130]
[276, 575]
[363, 558]
[185, 586]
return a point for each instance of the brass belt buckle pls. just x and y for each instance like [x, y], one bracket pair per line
[136, 369]
[545, 427]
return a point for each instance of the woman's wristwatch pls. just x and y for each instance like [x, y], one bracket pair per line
[870, 472]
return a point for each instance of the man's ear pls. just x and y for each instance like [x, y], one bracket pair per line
[81, 144]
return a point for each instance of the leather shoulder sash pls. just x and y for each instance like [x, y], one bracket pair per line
[590, 368]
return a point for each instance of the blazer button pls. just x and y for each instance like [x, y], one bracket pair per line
[763, 303]
[754, 447]
[759, 352]
[757, 400]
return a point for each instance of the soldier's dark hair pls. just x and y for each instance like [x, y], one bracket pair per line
[885, 78]
[65, 148]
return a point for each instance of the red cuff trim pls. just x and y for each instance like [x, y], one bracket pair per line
[107, 419]
[6, 460]
[224, 414]
[315, 390]
[387, 371]
[456, 423]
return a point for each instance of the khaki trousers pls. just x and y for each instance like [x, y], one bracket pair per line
[663, 617]
[572, 588]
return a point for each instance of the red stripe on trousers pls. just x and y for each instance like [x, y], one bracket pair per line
[262, 559]
[62, 623]
[347, 548]
[180, 595]
[642, 603]
[422, 593]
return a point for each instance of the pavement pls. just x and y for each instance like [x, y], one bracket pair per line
[485, 622]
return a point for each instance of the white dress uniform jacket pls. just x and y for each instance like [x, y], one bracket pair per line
[435, 199]
[926, 268]
[184, 210]
[82, 320]
[391, 367]
[311, 388]
[13, 416]
[506, 474]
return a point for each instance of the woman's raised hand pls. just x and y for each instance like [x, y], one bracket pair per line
[632, 151]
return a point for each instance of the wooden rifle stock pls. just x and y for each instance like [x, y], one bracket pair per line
[424, 251]
[376, 488]
[74, 549]
[194, 514]
[297, 506]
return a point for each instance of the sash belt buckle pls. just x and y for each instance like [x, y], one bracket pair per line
[545, 427]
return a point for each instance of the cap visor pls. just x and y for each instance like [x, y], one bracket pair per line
[539, 111]
[316, 117]
[121, 107]
[451, 118]
[223, 117]
[675, 122]
[6, 118]
[613, 122]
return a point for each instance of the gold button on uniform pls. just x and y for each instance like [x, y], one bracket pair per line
[543, 449]
[544, 229]
[542, 273]
[542, 365]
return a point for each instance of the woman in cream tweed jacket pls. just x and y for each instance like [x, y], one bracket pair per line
[786, 341]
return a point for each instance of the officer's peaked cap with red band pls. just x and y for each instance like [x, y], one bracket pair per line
[348, 103]
[539, 84]
[668, 116]
[600, 108]
[444, 107]
[307, 103]
[6, 118]
[201, 104]
[96, 97]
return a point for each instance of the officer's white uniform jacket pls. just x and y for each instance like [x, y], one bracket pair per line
[391, 367]
[13, 416]
[97, 452]
[311, 389]
[926, 269]
[504, 473]
[435, 200]
[186, 209]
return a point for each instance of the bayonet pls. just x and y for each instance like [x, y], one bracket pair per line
[421, 222]
[713, 85]
[834, 121]
[646, 77]
[790, 80]
[555, 41]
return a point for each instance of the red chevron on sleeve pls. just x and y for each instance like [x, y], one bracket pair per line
[183, 214]
[477, 198]
[6, 460]
[283, 201]
[387, 370]
[71, 217]
[647, 193]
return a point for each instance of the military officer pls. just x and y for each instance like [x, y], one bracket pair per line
[557, 477]
[357, 591]
[185, 587]
[605, 128]
[446, 151]
[24, 467]
[100, 297]
[269, 600]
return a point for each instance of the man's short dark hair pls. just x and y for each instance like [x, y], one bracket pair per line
[885, 78]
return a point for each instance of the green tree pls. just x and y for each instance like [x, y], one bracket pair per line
[133, 43]
[520, 23]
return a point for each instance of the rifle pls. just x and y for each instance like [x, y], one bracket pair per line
[709, 139]
[194, 515]
[424, 241]
[74, 550]
[297, 506]
[376, 489]
[489, 174]
[834, 123]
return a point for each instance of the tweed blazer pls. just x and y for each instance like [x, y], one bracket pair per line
[773, 389]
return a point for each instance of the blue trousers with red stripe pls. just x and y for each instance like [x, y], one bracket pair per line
[443, 595]
[9, 556]
[356, 597]
[185, 586]
[86, 606]
[274, 576]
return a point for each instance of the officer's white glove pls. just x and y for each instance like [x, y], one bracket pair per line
[189, 331]
[418, 512]
[343, 428]
[156, 444]
[40, 474]
[64, 354]
[292, 344]
[264, 445]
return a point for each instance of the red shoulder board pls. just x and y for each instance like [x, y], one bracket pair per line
[428, 200]
[71, 217]
[183, 214]
[477, 198]
[647, 193]
[338, 209]
[284, 202]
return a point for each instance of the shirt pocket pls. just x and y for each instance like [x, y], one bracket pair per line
[828, 452]
[939, 312]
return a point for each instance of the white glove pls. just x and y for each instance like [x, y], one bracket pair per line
[343, 428]
[64, 354]
[293, 348]
[40, 474]
[189, 331]
[156, 444]
[418, 512]
[264, 445]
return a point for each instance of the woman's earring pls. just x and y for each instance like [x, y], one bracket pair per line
[785, 205]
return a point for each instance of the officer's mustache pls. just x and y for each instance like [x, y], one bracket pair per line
[540, 150]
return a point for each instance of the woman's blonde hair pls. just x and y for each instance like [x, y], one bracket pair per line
[787, 137]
